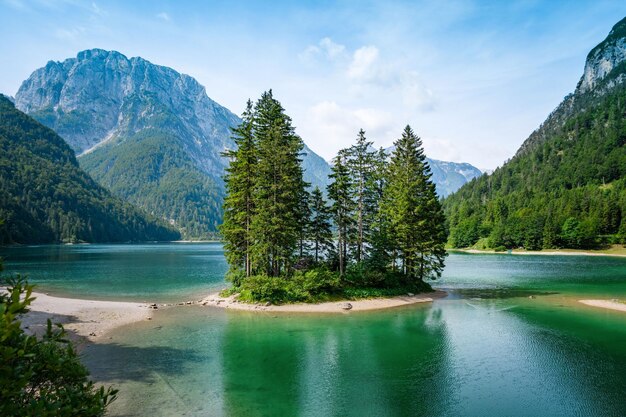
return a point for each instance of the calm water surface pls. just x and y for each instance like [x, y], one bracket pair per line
[486, 350]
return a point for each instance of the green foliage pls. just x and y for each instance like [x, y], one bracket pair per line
[320, 227]
[339, 191]
[150, 171]
[565, 188]
[412, 211]
[45, 196]
[266, 207]
[239, 202]
[41, 377]
[304, 286]
[279, 186]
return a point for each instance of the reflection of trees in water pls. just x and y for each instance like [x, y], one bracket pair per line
[384, 363]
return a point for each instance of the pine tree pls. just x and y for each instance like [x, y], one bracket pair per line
[362, 167]
[413, 211]
[342, 206]
[239, 201]
[279, 188]
[381, 247]
[304, 220]
[320, 227]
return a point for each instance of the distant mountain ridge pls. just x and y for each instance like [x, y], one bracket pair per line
[45, 197]
[153, 136]
[449, 176]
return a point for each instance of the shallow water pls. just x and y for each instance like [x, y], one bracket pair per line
[486, 350]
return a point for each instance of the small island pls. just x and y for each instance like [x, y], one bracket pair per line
[382, 235]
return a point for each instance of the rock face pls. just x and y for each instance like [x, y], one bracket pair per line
[450, 176]
[149, 133]
[605, 68]
[604, 58]
[101, 96]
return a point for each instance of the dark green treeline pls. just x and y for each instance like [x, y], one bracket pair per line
[565, 189]
[382, 228]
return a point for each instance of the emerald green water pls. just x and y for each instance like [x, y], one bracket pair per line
[485, 350]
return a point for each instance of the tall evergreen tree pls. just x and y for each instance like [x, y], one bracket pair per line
[320, 226]
[239, 201]
[362, 170]
[304, 220]
[413, 211]
[275, 226]
[342, 206]
[381, 248]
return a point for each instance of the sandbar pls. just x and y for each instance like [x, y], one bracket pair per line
[367, 304]
[607, 304]
[89, 319]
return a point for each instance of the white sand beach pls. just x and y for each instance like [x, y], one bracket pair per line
[82, 318]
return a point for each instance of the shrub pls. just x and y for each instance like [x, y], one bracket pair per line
[41, 377]
[263, 288]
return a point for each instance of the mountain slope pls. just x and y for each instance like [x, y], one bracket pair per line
[450, 176]
[45, 196]
[566, 186]
[149, 133]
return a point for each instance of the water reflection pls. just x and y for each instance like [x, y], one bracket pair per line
[374, 364]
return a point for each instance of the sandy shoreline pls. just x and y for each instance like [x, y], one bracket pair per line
[92, 320]
[607, 304]
[546, 253]
[329, 307]
[87, 319]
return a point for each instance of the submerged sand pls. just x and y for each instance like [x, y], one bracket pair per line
[565, 252]
[607, 304]
[88, 319]
[326, 307]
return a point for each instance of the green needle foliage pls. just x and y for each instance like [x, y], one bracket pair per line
[320, 227]
[412, 211]
[41, 377]
[278, 237]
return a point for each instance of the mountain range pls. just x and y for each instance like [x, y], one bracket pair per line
[566, 185]
[154, 137]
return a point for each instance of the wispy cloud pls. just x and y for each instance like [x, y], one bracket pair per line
[164, 16]
[326, 48]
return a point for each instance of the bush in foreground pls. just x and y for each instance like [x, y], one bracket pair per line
[41, 376]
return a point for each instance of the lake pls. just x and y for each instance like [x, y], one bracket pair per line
[485, 350]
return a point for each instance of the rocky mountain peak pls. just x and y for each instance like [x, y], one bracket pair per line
[604, 58]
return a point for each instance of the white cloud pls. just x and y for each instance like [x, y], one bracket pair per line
[326, 48]
[364, 65]
[330, 127]
[97, 10]
[70, 34]
[164, 16]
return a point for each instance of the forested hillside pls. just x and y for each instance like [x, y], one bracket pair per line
[46, 197]
[566, 186]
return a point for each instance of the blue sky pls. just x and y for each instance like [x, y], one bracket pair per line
[473, 78]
